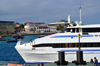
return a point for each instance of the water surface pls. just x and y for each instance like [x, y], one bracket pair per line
[8, 52]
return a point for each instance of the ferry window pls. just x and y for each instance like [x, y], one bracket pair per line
[65, 30]
[73, 29]
[89, 45]
[77, 29]
[95, 45]
[54, 45]
[62, 45]
[83, 45]
[98, 44]
[75, 44]
[91, 29]
[68, 45]
[42, 45]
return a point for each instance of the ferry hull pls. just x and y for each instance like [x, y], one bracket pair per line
[41, 55]
[50, 54]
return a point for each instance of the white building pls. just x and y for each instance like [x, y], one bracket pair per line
[52, 28]
[39, 27]
[64, 23]
[43, 29]
[29, 26]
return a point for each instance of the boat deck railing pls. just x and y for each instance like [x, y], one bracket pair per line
[24, 42]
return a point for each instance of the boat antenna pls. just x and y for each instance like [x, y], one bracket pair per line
[80, 12]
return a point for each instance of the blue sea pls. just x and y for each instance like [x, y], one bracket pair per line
[8, 53]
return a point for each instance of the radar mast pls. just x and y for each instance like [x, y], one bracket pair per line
[80, 12]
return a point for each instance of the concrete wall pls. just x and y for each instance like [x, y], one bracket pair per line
[7, 27]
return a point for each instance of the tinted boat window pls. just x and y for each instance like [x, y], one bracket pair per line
[68, 45]
[77, 29]
[65, 30]
[91, 29]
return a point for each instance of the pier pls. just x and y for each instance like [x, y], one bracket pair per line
[4, 35]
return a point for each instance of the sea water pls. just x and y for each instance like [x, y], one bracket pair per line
[8, 53]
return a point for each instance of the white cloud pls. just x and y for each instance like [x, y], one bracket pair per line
[46, 10]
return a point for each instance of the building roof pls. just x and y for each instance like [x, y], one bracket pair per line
[35, 23]
[52, 24]
[58, 22]
[39, 23]
[29, 23]
[63, 20]
[17, 23]
[42, 26]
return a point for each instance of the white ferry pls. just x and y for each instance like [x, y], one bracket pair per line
[45, 49]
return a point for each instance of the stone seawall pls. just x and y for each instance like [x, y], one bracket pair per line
[4, 35]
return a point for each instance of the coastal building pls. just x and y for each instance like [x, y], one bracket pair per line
[35, 27]
[17, 24]
[28, 26]
[58, 23]
[38, 27]
[7, 27]
[66, 23]
[52, 28]
[43, 29]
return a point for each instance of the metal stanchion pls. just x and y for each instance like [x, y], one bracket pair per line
[79, 60]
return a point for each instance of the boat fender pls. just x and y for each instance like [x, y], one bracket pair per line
[5, 41]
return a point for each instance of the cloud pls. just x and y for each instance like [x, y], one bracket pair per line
[46, 10]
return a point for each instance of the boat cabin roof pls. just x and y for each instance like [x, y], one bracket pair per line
[86, 26]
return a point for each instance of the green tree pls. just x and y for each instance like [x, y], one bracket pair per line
[21, 26]
[74, 24]
[60, 27]
[34, 29]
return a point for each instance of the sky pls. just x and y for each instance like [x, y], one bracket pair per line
[49, 11]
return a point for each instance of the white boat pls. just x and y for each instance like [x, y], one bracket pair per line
[46, 49]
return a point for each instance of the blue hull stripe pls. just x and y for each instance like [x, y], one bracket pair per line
[64, 36]
[82, 50]
[36, 62]
[42, 62]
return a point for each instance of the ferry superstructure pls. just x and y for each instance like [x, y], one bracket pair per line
[46, 49]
